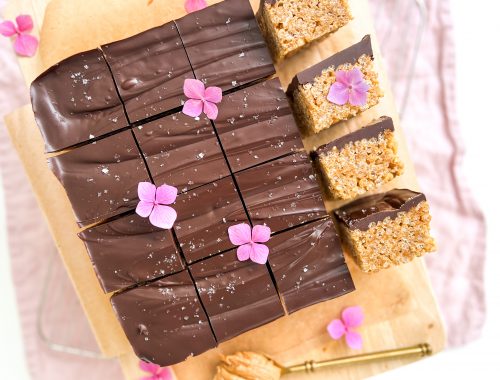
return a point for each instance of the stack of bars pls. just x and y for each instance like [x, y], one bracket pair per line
[113, 118]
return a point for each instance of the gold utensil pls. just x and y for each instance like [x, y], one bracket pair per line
[253, 366]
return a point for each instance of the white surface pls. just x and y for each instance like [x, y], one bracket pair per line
[476, 27]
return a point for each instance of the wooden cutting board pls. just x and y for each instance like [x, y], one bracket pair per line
[399, 304]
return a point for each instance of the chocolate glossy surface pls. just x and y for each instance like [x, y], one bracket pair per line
[308, 265]
[101, 179]
[75, 101]
[203, 217]
[256, 125]
[360, 214]
[164, 321]
[282, 193]
[149, 69]
[181, 151]
[130, 250]
[225, 46]
[238, 296]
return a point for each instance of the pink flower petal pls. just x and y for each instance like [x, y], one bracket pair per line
[362, 86]
[343, 77]
[259, 253]
[338, 94]
[240, 234]
[336, 329]
[163, 217]
[194, 5]
[144, 208]
[26, 45]
[193, 108]
[243, 252]
[24, 23]
[149, 367]
[357, 98]
[148, 378]
[354, 340]
[194, 89]
[354, 76]
[353, 316]
[261, 234]
[213, 94]
[146, 192]
[165, 374]
[7, 29]
[210, 110]
[166, 194]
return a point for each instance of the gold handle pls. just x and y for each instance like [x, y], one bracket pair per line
[420, 350]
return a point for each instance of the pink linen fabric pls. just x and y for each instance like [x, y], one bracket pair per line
[434, 137]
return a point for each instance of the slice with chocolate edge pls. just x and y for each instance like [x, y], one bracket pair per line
[76, 101]
[101, 178]
[290, 25]
[256, 125]
[130, 250]
[149, 70]
[164, 321]
[225, 46]
[388, 229]
[310, 88]
[308, 265]
[238, 296]
[360, 161]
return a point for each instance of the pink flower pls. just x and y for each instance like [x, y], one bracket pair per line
[201, 100]
[248, 240]
[194, 5]
[352, 317]
[349, 86]
[156, 372]
[24, 44]
[153, 204]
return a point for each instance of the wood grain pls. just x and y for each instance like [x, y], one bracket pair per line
[399, 304]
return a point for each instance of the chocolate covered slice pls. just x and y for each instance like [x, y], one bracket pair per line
[256, 125]
[130, 250]
[75, 101]
[238, 296]
[164, 321]
[203, 217]
[149, 69]
[181, 151]
[360, 161]
[282, 193]
[225, 46]
[308, 265]
[388, 229]
[101, 178]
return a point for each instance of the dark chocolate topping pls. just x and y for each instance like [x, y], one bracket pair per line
[181, 151]
[349, 55]
[130, 250]
[225, 46]
[203, 217]
[149, 69]
[165, 321]
[75, 101]
[372, 130]
[101, 178]
[238, 296]
[360, 214]
[282, 193]
[256, 125]
[308, 265]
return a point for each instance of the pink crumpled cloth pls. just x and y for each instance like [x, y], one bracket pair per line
[434, 138]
